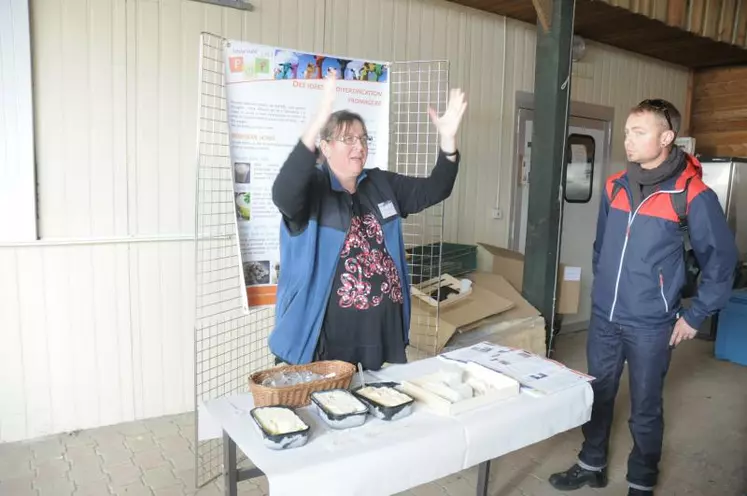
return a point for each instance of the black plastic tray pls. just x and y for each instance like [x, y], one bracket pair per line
[285, 440]
[336, 420]
[382, 411]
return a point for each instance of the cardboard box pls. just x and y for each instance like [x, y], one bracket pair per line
[431, 328]
[498, 285]
[519, 327]
[527, 334]
[510, 264]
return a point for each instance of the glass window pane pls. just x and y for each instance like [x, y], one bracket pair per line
[579, 174]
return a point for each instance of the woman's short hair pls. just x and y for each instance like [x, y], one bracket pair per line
[339, 122]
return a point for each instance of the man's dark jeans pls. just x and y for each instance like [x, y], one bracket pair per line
[648, 355]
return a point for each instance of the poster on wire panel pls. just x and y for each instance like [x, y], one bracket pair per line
[272, 93]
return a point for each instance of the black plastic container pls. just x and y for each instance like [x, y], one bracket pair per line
[385, 412]
[286, 440]
[337, 420]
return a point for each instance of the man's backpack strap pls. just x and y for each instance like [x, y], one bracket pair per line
[679, 203]
[692, 269]
[616, 187]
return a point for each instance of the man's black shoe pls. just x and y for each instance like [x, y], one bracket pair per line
[637, 492]
[577, 477]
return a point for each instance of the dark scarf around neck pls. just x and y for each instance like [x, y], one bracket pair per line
[644, 182]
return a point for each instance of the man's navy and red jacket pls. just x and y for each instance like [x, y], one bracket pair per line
[639, 268]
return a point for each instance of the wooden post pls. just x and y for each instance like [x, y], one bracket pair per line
[688, 110]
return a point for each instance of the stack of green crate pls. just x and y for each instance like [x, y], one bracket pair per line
[455, 259]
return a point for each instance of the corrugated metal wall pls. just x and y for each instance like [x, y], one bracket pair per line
[96, 320]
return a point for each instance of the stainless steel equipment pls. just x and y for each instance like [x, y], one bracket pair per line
[727, 177]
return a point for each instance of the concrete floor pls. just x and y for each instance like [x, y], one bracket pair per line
[705, 449]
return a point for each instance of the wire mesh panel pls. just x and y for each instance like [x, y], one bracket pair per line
[414, 148]
[230, 340]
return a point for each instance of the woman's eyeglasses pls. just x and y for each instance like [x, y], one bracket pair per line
[351, 140]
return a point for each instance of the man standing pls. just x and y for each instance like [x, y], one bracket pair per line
[639, 273]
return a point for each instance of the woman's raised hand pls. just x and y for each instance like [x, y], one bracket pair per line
[324, 111]
[448, 124]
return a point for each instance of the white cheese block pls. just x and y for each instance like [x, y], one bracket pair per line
[384, 395]
[279, 420]
[340, 402]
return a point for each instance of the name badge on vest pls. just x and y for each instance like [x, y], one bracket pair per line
[387, 209]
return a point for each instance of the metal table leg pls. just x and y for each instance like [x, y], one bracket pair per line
[483, 474]
[232, 475]
[230, 470]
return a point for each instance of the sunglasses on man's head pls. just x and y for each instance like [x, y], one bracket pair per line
[660, 106]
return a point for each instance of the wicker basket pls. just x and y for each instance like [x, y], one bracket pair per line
[300, 395]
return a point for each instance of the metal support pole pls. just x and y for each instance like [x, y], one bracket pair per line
[552, 88]
[483, 477]
[230, 470]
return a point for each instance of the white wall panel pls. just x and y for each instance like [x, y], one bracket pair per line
[97, 326]
[65, 329]
[80, 91]
[12, 367]
[17, 186]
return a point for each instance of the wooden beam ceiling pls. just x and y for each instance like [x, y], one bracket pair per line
[646, 32]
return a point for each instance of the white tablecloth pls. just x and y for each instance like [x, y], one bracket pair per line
[383, 458]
